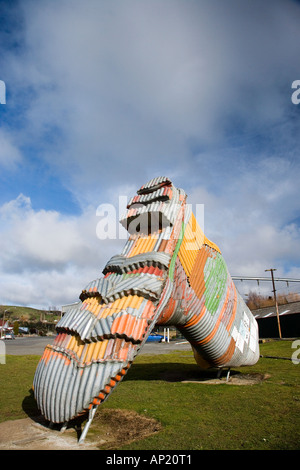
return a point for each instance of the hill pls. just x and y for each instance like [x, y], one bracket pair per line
[27, 314]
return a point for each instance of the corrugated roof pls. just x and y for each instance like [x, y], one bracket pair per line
[285, 309]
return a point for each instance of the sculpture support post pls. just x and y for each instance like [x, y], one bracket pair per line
[87, 424]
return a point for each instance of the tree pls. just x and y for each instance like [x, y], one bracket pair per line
[16, 328]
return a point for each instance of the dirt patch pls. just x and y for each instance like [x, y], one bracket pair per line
[110, 429]
[212, 379]
[246, 379]
[113, 428]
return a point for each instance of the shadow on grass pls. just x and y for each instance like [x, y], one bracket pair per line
[174, 372]
[168, 372]
[29, 405]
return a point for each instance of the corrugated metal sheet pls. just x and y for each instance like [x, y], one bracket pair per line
[285, 309]
[169, 275]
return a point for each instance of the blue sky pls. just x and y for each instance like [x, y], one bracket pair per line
[103, 96]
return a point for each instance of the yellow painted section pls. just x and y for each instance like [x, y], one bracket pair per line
[87, 352]
[94, 304]
[189, 246]
[143, 245]
[97, 349]
[79, 349]
[187, 256]
[211, 244]
[133, 301]
[197, 231]
[192, 242]
[102, 348]
[200, 237]
[72, 343]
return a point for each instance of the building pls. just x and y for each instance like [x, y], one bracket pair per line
[289, 317]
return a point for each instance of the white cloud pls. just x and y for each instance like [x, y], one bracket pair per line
[129, 84]
[10, 155]
[116, 93]
[252, 217]
[48, 258]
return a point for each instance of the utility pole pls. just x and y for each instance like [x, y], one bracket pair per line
[276, 304]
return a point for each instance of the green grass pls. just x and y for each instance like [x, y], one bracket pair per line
[193, 416]
[16, 377]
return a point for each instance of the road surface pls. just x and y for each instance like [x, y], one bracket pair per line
[36, 344]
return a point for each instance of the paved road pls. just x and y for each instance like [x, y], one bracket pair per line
[36, 344]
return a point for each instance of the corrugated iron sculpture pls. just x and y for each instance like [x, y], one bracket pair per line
[168, 273]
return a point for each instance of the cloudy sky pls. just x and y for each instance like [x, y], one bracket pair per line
[102, 96]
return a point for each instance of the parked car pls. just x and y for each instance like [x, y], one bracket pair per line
[155, 338]
[9, 335]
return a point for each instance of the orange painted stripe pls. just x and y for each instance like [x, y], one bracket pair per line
[141, 328]
[163, 245]
[148, 310]
[227, 355]
[128, 325]
[116, 324]
[46, 355]
[192, 321]
[197, 275]
[195, 318]
[167, 311]
[217, 324]
[123, 353]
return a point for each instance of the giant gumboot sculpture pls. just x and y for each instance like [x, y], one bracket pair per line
[168, 273]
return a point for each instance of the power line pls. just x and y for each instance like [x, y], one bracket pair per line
[258, 278]
[273, 279]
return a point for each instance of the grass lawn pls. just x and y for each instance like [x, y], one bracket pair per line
[193, 416]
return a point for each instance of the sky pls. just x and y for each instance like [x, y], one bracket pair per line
[102, 96]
